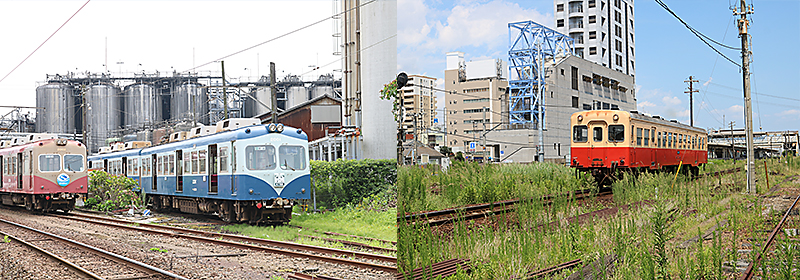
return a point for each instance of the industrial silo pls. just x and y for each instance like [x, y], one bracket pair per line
[58, 115]
[142, 105]
[295, 95]
[103, 116]
[190, 102]
[322, 86]
[254, 108]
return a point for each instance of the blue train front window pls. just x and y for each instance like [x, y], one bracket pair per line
[260, 157]
[73, 163]
[292, 157]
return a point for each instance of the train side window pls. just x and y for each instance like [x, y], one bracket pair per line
[259, 157]
[171, 164]
[49, 163]
[638, 136]
[160, 165]
[659, 139]
[194, 162]
[598, 134]
[187, 162]
[202, 161]
[580, 133]
[292, 157]
[653, 137]
[223, 159]
[616, 133]
[646, 138]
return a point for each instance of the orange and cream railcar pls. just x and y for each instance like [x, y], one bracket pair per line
[44, 175]
[604, 141]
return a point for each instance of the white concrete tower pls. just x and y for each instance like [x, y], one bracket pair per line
[602, 30]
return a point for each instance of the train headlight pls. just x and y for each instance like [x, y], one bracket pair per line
[271, 127]
[280, 127]
[580, 117]
[616, 117]
[303, 190]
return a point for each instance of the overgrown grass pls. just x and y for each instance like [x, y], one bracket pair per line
[368, 219]
[426, 188]
[652, 241]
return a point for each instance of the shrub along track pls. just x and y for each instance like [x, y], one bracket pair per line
[244, 242]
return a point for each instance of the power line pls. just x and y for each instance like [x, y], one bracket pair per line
[764, 94]
[45, 41]
[699, 35]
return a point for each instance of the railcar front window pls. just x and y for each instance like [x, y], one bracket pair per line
[260, 157]
[598, 134]
[73, 163]
[292, 157]
[49, 163]
[580, 133]
[616, 133]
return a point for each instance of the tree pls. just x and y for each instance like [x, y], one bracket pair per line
[446, 151]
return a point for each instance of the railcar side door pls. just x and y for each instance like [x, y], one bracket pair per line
[179, 170]
[212, 168]
[156, 166]
[19, 171]
[597, 144]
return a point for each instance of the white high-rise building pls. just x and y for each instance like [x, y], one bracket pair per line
[602, 30]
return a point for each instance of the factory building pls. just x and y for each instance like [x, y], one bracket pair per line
[475, 94]
[148, 106]
[419, 102]
[602, 31]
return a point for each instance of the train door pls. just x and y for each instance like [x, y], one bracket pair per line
[233, 167]
[213, 162]
[653, 148]
[105, 165]
[597, 146]
[124, 166]
[19, 171]
[154, 171]
[179, 170]
[29, 168]
[2, 171]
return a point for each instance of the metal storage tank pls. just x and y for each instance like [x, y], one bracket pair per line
[296, 95]
[318, 91]
[190, 102]
[142, 105]
[104, 114]
[254, 108]
[58, 115]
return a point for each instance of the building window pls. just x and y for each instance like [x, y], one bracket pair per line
[592, 50]
[560, 8]
[560, 23]
[576, 22]
[617, 17]
[619, 60]
[587, 107]
[618, 31]
[592, 35]
[592, 19]
[592, 4]
[616, 3]
[575, 78]
[575, 102]
[562, 71]
[577, 37]
[476, 100]
[576, 7]
[468, 111]
[618, 44]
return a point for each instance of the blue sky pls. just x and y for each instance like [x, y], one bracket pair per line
[666, 53]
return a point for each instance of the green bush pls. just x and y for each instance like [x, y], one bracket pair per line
[108, 192]
[343, 182]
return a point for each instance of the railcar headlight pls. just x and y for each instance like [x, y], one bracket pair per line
[280, 127]
[271, 127]
[580, 117]
[616, 117]
[303, 190]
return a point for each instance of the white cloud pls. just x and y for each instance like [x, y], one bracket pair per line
[645, 104]
[790, 113]
[671, 100]
[736, 109]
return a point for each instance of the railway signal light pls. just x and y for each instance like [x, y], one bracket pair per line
[402, 79]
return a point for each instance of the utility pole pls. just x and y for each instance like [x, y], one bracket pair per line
[224, 92]
[483, 135]
[273, 89]
[691, 101]
[743, 11]
[733, 148]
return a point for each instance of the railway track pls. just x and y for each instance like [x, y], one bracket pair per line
[244, 242]
[748, 273]
[85, 261]
[441, 217]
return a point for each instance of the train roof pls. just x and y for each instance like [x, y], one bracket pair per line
[655, 119]
[225, 136]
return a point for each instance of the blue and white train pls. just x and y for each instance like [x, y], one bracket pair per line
[248, 172]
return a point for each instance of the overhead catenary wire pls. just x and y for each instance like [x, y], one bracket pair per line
[280, 36]
[45, 41]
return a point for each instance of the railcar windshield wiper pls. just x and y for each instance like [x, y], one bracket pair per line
[287, 165]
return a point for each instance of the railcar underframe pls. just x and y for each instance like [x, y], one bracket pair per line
[272, 211]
